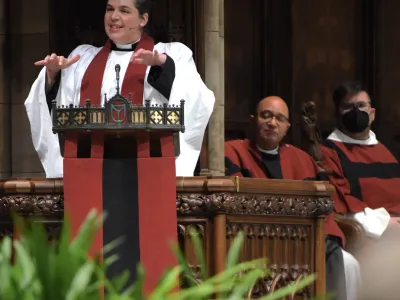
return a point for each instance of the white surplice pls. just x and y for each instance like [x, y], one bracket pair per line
[374, 221]
[188, 85]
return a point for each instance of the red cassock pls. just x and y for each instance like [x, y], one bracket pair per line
[364, 176]
[243, 159]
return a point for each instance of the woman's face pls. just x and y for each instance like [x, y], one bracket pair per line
[122, 21]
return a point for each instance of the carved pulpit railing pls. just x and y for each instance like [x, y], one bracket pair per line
[282, 220]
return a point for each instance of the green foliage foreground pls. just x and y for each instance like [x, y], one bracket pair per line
[62, 270]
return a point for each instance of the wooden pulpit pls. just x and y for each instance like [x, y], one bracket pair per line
[120, 159]
[283, 220]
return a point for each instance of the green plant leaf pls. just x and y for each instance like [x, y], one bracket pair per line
[246, 283]
[81, 281]
[87, 231]
[23, 259]
[113, 245]
[5, 265]
[110, 260]
[106, 284]
[234, 270]
[63, 270]
[6, 248]
[117, 297]
[196, 292]
[203, 291]
[234, 251]
[136, 289]
[68, 258]
[287, 290]
[167, 284]
[198, 248]
[95, 289]
[187, 272]
[233, 255]
[120, 281]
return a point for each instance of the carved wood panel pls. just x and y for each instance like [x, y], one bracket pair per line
[202, 227]
[287, 247]
[287, 244]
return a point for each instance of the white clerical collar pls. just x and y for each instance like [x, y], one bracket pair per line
[273, 151]
[339, 136]
[126, 46]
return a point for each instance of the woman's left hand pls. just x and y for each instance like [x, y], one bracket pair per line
[149, 58]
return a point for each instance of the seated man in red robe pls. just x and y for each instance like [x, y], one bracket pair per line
[365, 173]
[265, 156]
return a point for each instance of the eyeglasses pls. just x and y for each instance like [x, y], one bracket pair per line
[268, 115]
[362, 105]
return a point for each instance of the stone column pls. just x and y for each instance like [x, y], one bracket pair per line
[29, 42]
[215, 80]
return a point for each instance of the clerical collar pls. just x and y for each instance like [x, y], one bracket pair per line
[271, 152]
[339, 136]
[124, 47]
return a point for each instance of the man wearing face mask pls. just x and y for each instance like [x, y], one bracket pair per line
[365, 173]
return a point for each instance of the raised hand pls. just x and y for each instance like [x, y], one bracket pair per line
[54, 63]
[149, 58]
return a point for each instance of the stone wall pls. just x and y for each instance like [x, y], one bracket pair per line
[24, 38]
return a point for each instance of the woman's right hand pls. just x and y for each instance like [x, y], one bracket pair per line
[55, 63]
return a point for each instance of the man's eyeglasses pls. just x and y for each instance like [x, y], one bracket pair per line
[362, 105]
[268, 115]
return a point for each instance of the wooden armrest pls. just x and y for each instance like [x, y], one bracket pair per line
[353, 231]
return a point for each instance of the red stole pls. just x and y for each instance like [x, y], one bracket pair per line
[133, 81]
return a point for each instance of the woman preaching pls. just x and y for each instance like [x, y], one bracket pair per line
[161, 73]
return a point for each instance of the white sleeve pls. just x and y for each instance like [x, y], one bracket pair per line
[44, 140]
[199, 104]
[374, 221]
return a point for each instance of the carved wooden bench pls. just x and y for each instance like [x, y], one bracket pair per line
[282, 220]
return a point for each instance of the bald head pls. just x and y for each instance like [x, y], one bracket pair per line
[272, 122]
[275, 104]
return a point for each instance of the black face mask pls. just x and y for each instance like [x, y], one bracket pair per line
[355, 120]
